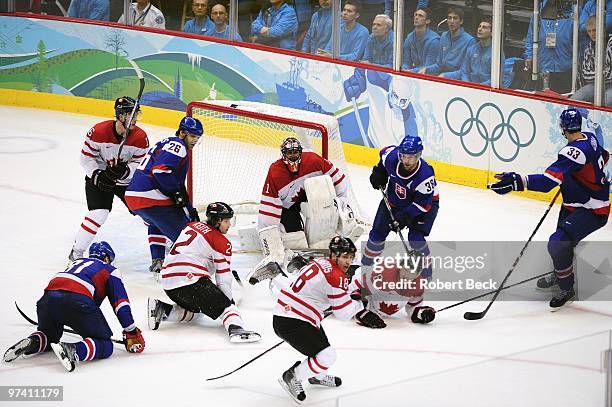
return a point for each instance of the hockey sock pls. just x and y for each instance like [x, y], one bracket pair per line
[372, 250]
[179, 314]
[316, 366]
[89, 228]
[157, 243]
[40, 339]
[565, 278]
[231, 316]
[90, 349]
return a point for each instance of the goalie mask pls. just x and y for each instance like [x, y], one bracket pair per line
[217, 211]
[292, 153]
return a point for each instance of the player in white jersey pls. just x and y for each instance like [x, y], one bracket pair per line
[300, 307]
[200, 254]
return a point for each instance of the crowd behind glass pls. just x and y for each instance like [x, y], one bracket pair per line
[450, 38]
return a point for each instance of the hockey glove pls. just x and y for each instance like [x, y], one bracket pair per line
[180, 198]
[369, 319]
[423, 315]
[379, 177]
[403, 217]
[355, 85]
[118, 171]
[133, 340]
[508, 181]
[101, 180]
[194, 215]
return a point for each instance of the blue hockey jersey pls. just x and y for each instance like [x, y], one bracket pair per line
[417, 191]
[161, 173]
[579, 170]
[96, 280]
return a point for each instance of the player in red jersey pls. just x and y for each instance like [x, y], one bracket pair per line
[107, 175]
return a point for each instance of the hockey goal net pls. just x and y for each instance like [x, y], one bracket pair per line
[241, 140]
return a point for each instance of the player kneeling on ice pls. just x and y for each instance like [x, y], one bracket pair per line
[392, 288]
[412, 192]
[300, 305]
[304, 203]
[201, 253]
[73, 298]
[579, 171]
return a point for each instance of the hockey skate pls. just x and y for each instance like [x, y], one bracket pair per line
[155, 268]
[156, 311]
[66, 353]
[292, 385]
[266, 272]
[327, 381]
[239, 335]
[23, 347]
[561, 299]
[547, 283]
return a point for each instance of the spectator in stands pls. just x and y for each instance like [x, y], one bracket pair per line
[422, 45]
[453, 44]
[379, 48]
[555, 50]
[353, 36]
[89, 9]
[587, 68]
[589, 9]
[276, 25]
[318, 35]
[201, 23]
[477, 64]
[220, 18]
[145, 14]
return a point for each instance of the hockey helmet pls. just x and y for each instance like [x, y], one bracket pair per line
[401, 90]
[99, 250]
[570, 120]
[192, 126]
[410, 145]
[217, 211]
[340, 245]
[125, 104]
[292, 153]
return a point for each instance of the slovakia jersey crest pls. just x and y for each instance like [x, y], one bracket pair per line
[400, 191]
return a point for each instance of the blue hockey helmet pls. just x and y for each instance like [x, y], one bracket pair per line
[191, 126]
[99, 250]
[411, 145]
[570, 120]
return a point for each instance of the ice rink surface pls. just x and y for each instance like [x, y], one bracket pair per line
[520, 354]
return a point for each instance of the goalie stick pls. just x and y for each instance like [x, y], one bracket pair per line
[129, 123]
[473, 316]
[70, 331]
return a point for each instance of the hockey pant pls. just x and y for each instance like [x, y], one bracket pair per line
[55, 309]
[99, 204]
[162, 221]
[572, 227]
[309, 341]
[204, 297]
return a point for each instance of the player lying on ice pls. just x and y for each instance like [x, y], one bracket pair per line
[304, 203]
[201, 253]
[73, 298]
[301, 303]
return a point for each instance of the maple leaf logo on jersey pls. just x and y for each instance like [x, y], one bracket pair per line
[388, 309]
[300, 196]
[400, 191]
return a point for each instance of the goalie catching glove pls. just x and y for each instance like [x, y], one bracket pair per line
[369, 319]
[133, 341]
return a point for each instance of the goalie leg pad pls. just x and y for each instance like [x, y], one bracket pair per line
[295, 240]
[201, 297]
[347, 225]
[320, 212]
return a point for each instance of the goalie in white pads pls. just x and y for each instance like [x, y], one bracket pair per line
[300, 305]
[201, 253]
[303, 203]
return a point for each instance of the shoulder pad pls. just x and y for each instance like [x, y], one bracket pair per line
[138, 138]
[427, 185]
[176, 147]
[573, 153]
[102, 132]
[384, 153]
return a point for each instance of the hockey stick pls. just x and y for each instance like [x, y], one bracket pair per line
[247, 363]
[129, 122]
[472, 316]
[394, 222]
[494, 291]
[68, 330]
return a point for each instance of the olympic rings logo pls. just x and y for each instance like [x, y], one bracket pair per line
[498, 131]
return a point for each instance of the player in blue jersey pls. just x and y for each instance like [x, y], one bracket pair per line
[73, 298]
[413, 196]
[157, 191]
[579, 170]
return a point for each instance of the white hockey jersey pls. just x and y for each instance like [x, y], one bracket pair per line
[319, 285]
[102, 145]
[200, 251]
